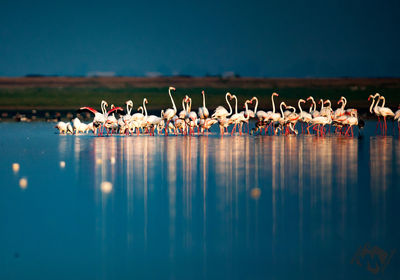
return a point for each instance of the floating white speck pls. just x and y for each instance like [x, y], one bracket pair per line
[113, 160]
[15, 167]
[62, 164]
[23, 183]
[106, 187]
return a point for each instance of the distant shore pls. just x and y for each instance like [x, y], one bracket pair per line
[66, 94]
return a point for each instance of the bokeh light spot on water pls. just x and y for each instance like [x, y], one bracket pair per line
[255, 193]
[99, 161]
[112, 160]
[106, 187]
[62, 164]
[15, 167]
[23, 183]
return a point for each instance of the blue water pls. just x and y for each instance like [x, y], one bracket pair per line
[250, 207]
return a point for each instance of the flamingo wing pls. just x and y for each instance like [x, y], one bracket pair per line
[89, 109]
[115, 109]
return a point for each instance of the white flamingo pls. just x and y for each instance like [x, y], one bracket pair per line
[385, 113]
[170, 113]
[203, 111]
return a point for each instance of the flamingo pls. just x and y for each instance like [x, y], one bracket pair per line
[191, 117]
[292, 119]
[313, 109]
[385, 112]
[220, 111]
[304, 116]
[182, 114]
[273, 116]
[221, 114]
[78, 126]
[203, 111]
[373, 109]
[326, 111]
[62, 127]
[339, 111]
[238, 118]
[170, 113]
[111, 122]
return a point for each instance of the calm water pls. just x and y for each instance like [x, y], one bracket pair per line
[199, 207]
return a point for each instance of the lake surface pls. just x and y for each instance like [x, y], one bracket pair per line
[249, 207]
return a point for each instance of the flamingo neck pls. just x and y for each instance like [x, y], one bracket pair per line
[103, 107]
[283, 115]
[299, 104]
[204, 100]
[329, 103]
[273, 103]
[230, 107]
[255, 107]
[383, 103]
[189, 106]
[376, 104]
[235, 104]
[322, 104]
[183, 104]
[144, 107]
[372, 105]
[247, 109]
[172, 100]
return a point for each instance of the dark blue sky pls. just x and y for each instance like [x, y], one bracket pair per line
[252, 38]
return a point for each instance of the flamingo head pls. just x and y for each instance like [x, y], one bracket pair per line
[140, 108]
[254, 98]
[341, 100]
[228, 94]
[129, 102]
[310, 98]
[145, 101]
[326, 101]
[275, 94]
[302, 101]
[172, 88]
[112, 106]
[369, 98]
[202, 92]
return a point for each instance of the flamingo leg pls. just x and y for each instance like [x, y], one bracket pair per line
[233, 129]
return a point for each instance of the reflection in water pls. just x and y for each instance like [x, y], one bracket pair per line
[192, 195]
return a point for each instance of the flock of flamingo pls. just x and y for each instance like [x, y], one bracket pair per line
[283, 122]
